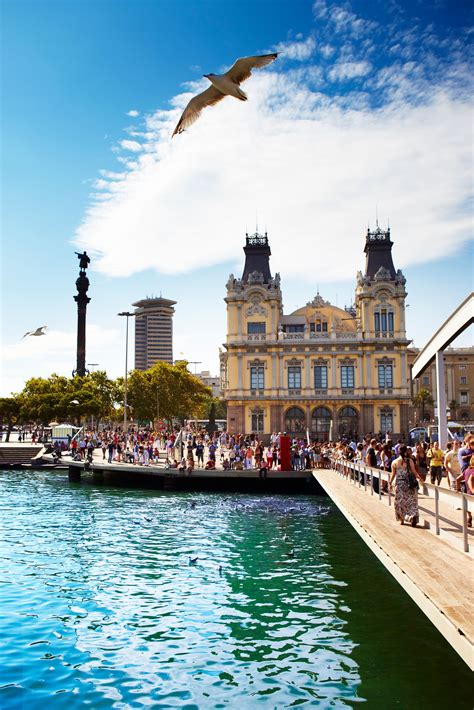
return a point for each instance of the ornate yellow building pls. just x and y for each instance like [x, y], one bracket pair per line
[321, 368]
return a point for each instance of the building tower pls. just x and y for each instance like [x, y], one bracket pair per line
[254, 307]
[380, 309]
[153, 332]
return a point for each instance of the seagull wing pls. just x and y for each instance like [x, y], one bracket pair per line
[191, 113]
[242, 68]
[27, 333]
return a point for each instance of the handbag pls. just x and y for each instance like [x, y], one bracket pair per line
[412, 479]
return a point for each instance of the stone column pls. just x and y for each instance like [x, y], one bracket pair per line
[334, 371]
[239, 320]
[368, 360]
[239, 373]
[403, 360]
[307, 368]
[274, 371]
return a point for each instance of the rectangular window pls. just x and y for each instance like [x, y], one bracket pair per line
[257, 423]
[390, 322]
[463, 398]
[320, 377]
[425, 380]
[294, 328]
[294, 378]
[383, 321]
[386, 422]
[257, 378]
[385, 377]
[377, 321]
[464, 380]
[253, 328]
[347, 376]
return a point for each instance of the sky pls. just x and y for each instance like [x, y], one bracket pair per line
[365, 115]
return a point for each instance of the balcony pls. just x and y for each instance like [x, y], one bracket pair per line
[256, 336]
[257, 393]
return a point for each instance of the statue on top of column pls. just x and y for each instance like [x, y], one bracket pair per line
[84, 261]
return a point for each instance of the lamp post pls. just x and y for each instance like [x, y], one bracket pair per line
[93, 364]
[127, 315]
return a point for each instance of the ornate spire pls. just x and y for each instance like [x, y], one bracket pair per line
[378, 248]
[257, 259]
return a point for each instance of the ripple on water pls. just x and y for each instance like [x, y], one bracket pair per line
[102, 608]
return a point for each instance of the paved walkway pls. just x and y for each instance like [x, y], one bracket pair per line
[438, 577]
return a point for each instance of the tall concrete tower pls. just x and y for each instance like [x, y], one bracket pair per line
[153, 332]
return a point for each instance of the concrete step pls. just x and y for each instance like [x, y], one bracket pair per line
[11, 454]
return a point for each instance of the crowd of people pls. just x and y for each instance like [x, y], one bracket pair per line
[408, 466]
[188, 449]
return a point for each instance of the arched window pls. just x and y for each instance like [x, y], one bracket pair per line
[321, 422]
[465, 415]
[348, 422]
[295, 421]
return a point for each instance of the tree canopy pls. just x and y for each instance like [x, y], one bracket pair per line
[166, 391]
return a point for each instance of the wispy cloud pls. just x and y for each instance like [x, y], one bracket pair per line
[133, 113]
[133, 146]
[297, 50]
[348, 70]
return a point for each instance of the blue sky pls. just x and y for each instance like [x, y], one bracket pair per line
[367, 110]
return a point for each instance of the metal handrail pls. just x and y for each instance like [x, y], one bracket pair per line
[348, 469]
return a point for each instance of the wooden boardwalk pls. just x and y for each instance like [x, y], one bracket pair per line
[433, 571]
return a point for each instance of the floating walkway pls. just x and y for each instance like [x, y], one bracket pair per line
[437, 572]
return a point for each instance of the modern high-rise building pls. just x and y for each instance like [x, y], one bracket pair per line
[153, 332]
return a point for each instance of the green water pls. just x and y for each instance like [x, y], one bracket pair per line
[101, 609]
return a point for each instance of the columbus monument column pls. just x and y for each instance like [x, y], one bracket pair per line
[82, 285]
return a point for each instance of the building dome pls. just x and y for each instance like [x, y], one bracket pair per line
[319, 310]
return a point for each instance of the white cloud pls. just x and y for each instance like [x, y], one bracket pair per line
[299, 51]
[348, 70]
[133, 113]
[314, 165]
[133, 146]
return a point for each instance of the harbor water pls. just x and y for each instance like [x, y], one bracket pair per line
[281, 605]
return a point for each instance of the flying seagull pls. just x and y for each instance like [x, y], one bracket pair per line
[38, 331]
[222, 85]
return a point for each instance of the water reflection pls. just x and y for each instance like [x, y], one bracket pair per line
[102, 607]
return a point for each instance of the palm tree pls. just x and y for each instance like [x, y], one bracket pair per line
[421, 400]
[453, 408]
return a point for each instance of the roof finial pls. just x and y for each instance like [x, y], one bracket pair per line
[377, 216]
[256, 221]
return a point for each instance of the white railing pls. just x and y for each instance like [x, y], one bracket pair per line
[360, 474]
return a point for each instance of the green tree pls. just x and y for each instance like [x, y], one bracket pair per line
[10, 412]
[62, 398]
[165, 391]
[421, 400]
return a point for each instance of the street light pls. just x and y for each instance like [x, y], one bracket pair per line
[92, 364]
[128, 315]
